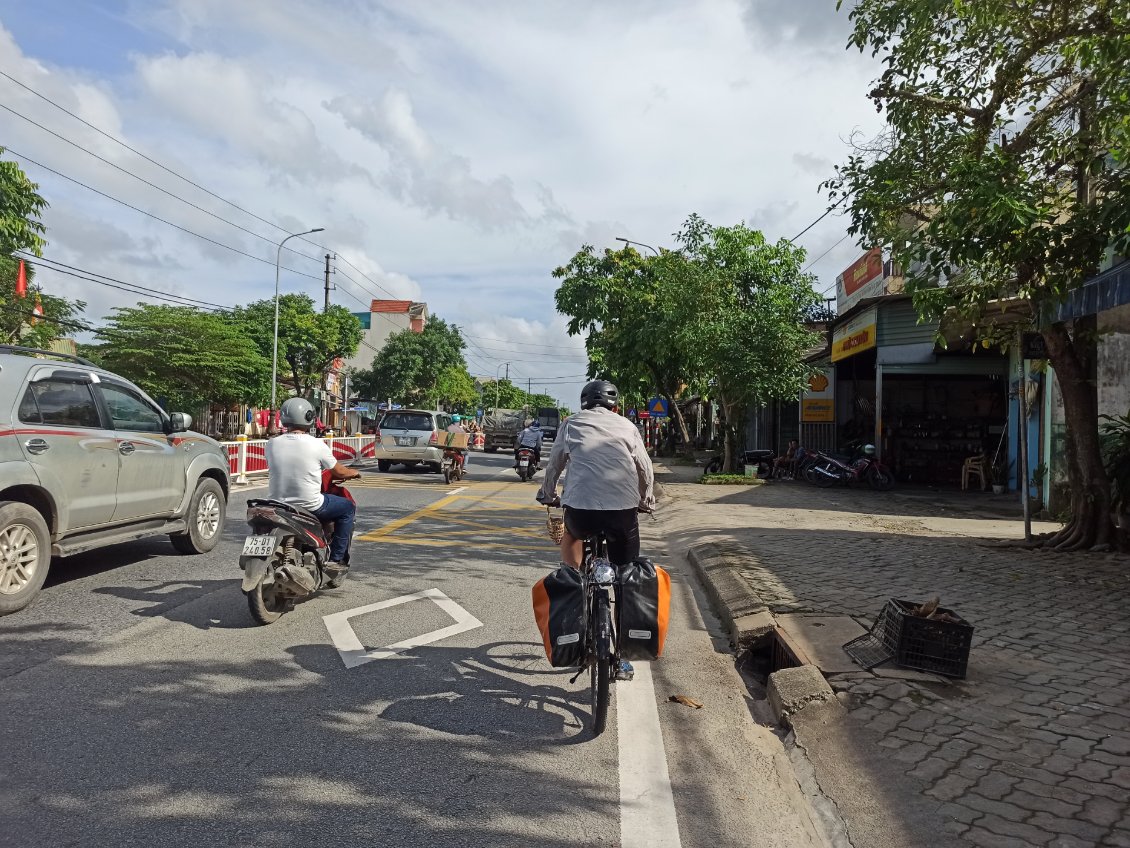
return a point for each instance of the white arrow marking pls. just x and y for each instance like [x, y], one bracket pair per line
[353, 653]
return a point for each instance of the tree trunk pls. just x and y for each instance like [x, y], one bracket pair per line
[1090, 525]
[681, 423]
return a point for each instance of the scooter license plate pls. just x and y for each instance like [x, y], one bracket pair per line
[259, 546]
[523, 462]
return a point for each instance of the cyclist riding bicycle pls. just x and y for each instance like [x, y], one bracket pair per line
[610, 479]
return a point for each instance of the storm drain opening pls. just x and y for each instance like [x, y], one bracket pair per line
[772, 652]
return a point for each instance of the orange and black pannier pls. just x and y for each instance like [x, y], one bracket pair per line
[559, 609]
[644, 609]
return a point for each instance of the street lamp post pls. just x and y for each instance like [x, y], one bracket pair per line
[275, 352]
[496, 372]
[640, 243]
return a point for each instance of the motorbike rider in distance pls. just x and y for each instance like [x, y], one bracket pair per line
[295, 462]
[529, 438]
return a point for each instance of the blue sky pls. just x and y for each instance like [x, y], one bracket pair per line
[454, 152]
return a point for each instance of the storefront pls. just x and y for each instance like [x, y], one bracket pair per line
[925, 408]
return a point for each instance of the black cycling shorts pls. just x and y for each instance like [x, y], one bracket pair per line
[621, 528]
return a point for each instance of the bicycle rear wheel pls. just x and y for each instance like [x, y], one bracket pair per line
[600, 669]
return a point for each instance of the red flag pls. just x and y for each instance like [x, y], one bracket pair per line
[21, 281]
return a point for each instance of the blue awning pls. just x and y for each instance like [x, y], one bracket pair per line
[1106, 291]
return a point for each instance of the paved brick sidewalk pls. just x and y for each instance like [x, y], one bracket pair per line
[1033, 748]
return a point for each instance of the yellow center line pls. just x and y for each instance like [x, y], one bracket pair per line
[404, 521]
[448, 518]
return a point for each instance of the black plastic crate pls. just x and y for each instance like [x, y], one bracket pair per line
[925, 644]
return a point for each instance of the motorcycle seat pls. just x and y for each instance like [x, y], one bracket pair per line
[297, 510]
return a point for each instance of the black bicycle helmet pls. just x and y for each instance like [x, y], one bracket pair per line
[600, 393]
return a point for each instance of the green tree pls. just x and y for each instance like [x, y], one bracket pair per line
[1003, 174]
[502, 395]
[631, 309]
[417, 368]
[745, 301]
[35, 319]
[456, 390]
[186, 356]
[309, 341]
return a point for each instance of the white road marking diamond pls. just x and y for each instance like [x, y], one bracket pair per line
[353, 653]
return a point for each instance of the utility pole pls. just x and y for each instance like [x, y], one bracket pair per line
[507, 370]
[327, 307]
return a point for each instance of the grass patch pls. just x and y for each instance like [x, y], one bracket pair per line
[729, 480]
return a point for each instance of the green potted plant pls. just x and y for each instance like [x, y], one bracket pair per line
[1001, 466]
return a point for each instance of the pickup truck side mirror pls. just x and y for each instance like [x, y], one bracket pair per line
[179, 422]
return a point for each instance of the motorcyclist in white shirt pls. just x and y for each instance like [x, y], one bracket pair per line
[529, 438]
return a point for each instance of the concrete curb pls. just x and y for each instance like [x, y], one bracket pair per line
[739, 607]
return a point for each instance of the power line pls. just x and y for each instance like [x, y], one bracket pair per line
[157, 217]
[149, 159]
[42, 261]
[73, 325]
[825, 253]
[151, 184]
[827, 212]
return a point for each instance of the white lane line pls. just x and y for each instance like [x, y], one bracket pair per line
[353, 653]
[647, 805]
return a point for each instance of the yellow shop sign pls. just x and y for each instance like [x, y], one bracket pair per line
[856, 336]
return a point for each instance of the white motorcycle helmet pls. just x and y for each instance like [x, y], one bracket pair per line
[297, 412]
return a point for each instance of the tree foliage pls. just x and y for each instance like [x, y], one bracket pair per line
[418, 368]
[724, 310]
[184, 356]
[37, 318]
[309, 341]
[1003, 174]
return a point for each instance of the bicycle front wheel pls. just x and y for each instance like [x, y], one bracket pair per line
[600, 669]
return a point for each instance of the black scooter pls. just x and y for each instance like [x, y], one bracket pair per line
[284, 558]
[528, 464]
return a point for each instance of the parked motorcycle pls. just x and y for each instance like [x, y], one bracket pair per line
[284, 558]
[527, 464]
[760, 458]
[827, 470]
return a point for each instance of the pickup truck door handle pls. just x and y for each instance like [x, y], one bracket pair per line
[126, 448]
[36, 446]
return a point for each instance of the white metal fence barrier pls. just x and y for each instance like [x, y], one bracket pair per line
[248, 457]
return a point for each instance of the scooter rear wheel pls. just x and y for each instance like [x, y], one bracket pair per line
[265, 605]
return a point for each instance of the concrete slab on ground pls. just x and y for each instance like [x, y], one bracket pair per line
[822, 637]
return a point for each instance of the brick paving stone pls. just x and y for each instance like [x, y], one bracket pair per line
[1117, 839]
[1033, 835]
[1119, 745]
[983, 838]
[950, 787]
[1093, 770]
[1103, 811]
[995, 785]
[1089, 833]
[1002, 809]
[1038, 803]
[1045, 709]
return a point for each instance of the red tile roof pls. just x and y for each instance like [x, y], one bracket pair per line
[390, 306]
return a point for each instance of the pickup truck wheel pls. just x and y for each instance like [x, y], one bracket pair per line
[205, 519]
[25, 555]
[383, 465]
[492, 449]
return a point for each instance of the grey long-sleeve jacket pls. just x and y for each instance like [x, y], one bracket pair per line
[609, 468]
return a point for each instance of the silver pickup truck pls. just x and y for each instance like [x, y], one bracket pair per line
[87, 459]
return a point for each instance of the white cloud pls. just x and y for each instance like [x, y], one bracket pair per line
[454, 152]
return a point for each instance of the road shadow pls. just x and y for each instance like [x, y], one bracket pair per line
[445, 746]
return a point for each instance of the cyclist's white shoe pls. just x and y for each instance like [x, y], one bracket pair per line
[625, 672]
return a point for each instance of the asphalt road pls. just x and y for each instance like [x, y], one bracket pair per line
[141, 705]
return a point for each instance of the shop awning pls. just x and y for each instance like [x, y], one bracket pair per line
[958, 329]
